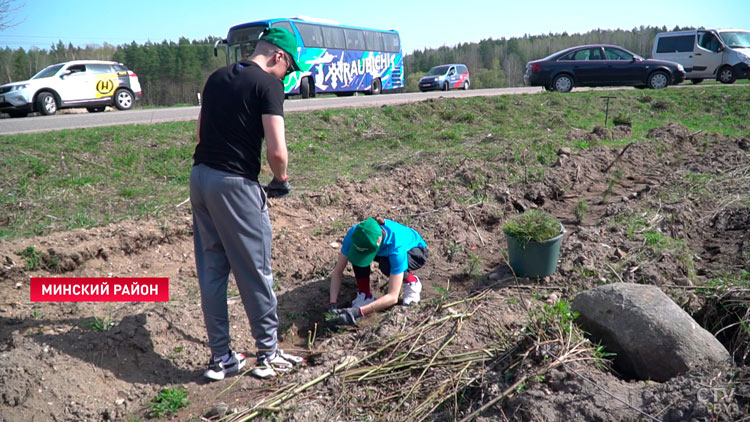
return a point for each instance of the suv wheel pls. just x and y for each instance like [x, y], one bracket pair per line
[123, 99]
[46, 104]
[466, 85]
[445, 86]
[726, 75]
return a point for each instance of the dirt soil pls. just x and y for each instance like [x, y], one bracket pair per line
[54, 367]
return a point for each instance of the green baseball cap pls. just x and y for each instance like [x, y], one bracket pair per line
[283, 39]
[365, 243]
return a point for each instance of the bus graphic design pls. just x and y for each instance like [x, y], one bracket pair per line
[333, 58]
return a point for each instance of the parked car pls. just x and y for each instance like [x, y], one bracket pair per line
[600, 65]
[93, 84]
[445, 77]
[722, 54]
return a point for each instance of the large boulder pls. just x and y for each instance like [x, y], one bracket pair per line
[653, 338]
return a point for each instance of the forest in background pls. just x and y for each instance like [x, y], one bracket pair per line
[173, 73]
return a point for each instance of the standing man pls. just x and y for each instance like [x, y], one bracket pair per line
[396, 248]
[242, 104]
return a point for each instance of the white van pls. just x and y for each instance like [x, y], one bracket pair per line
[722, 54]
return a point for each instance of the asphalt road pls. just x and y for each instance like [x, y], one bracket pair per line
[80, 118]
[83, 119]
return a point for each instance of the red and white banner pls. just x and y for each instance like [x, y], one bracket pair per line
[100, 289]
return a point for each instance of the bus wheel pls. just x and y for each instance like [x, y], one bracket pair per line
[376, 87]
[304, 88]
[312, 87]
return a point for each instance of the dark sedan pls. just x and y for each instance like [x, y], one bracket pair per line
[601, 65]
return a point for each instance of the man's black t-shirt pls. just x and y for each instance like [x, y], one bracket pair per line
[231, 133]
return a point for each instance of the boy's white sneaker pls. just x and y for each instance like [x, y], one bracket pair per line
[362, 300]
[412, 292]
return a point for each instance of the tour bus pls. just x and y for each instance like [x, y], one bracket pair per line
[333, 58]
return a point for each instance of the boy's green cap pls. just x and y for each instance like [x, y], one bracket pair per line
[365, 243]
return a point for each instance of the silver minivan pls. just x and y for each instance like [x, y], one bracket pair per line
[721, 54]
[445, 77]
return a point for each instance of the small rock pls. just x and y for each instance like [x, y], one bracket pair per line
[564, 151]
[494, 276]
[19, 285]
[217, 411]
[120, 402]
[553, 298]
[619, 253]
[335, 245]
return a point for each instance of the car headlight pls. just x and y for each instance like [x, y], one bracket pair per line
[680, 67]
[745, 59]
[19, 87]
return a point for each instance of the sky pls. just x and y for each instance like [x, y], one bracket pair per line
[422, 24]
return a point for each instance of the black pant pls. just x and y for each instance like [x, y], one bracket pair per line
[417, 257]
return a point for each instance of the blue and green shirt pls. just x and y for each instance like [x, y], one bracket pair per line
[397, 242]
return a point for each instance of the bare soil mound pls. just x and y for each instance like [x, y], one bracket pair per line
[663, 212]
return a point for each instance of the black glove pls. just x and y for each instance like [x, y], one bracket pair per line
[346, 316]
[276, 189]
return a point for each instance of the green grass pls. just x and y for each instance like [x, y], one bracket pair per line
[103, 324]
[168, 401]
[58, 181]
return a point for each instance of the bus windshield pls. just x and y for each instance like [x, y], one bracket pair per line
[332, 58]
[242, 42]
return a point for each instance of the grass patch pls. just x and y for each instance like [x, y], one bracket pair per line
[103, 324]
[58, 181]
[168, 401]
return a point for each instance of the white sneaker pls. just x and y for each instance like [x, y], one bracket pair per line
[411, 292]
[362, 300]
[279, 362]
[217, 369]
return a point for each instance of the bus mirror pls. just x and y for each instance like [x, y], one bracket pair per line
[216, 46]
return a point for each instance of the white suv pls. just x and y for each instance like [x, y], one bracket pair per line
[93, 84]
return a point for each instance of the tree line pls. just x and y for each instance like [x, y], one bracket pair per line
[170, 72]
[174, 72]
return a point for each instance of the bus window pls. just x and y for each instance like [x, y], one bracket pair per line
[283, 24]
[391, 42]
[355, 39]
[373, 41]
[334, 37]
[311, 35]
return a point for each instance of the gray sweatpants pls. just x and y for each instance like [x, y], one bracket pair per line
[232, 231]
